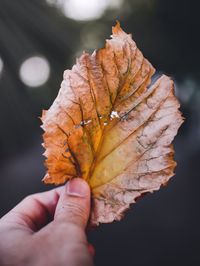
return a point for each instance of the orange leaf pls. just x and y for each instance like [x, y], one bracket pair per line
[110, 127]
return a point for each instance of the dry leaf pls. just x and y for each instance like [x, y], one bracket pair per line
[110, 127]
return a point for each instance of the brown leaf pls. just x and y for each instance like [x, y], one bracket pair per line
[110, 127]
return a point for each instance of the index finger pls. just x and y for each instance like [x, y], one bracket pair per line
[35, 210]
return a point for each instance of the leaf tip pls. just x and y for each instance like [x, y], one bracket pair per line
[117, 28]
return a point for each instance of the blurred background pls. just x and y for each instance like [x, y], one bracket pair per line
[41, 38]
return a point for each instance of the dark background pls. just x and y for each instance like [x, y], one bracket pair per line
[162, 228]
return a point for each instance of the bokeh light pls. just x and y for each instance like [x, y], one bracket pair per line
[1, 65]
[85, 9]
[186, 90]
[34, 71]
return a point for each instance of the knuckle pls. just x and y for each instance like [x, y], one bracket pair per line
[28, 198]
[73, 211]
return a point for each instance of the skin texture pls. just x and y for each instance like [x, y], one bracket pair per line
[48, 228]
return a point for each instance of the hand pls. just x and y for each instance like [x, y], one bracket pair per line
[29, 235]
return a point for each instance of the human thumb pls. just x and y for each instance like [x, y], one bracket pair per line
[74, 204]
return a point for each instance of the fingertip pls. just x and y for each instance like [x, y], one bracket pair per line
[77, 187]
